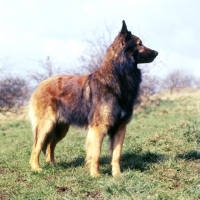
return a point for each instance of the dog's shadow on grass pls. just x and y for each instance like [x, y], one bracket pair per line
[140, 161]
[129, 161]
[190, 155]
[79, 161]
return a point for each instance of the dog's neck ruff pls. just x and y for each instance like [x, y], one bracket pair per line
[121, 76]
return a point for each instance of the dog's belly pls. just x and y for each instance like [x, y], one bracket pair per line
[76, 114]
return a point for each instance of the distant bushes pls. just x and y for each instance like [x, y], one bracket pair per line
[14, 92]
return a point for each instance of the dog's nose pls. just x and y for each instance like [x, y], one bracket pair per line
[156, 53]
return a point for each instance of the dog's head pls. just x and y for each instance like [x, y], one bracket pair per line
[133, 47]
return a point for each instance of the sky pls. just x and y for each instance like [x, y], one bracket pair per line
[32, 30]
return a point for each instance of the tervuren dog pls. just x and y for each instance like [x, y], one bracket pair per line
[101, 101]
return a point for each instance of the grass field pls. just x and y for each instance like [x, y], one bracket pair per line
[161, 159]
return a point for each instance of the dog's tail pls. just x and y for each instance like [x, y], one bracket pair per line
[43, 120]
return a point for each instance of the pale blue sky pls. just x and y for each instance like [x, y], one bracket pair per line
[34, 29]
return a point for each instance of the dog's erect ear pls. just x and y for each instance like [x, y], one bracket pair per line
[124, 32]
[124, 28]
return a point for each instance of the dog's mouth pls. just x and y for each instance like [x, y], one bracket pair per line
[141, 61]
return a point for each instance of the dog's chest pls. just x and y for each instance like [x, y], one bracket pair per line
[122, 114]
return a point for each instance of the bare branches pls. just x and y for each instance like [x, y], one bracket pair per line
[151, 83]
[95, 50]
[178, 79]
[14, 90]
[46, 69]
[13, 93]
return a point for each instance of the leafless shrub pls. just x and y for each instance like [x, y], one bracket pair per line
[151, 83]
[144, 101]
[178, 79]
[13, 93]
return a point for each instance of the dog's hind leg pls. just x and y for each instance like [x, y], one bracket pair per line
[116, 143]
[42, 129]
[59, 133]
[93, 148]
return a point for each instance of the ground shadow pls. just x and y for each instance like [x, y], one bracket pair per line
[140, 161]
[190, 155]
[74, 163]
[134, 161]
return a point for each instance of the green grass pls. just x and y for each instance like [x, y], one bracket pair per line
[161, 160]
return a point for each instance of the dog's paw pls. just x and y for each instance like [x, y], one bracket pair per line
[115, 174]
[36, 169]
[95, 175]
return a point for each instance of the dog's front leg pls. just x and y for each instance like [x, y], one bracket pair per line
[93, 148]
[116, 143]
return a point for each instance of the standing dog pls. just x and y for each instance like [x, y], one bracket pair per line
[101, 101]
